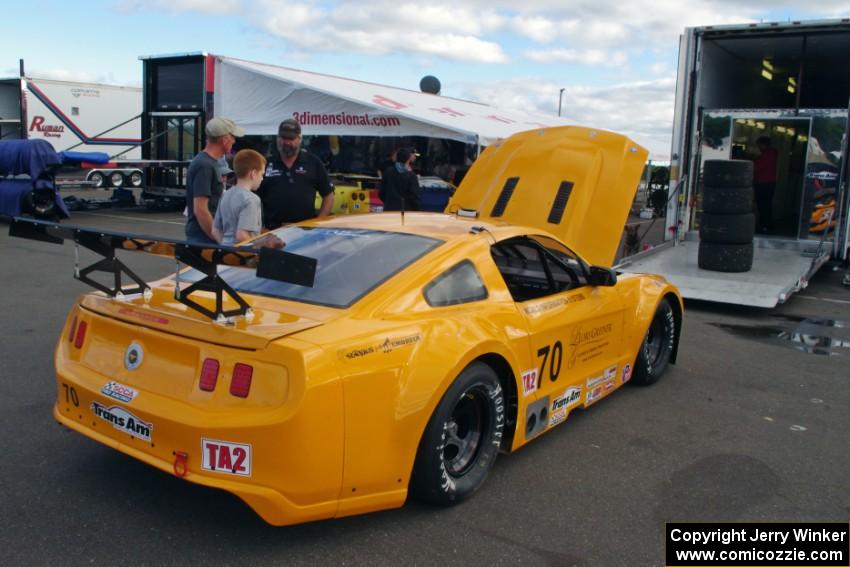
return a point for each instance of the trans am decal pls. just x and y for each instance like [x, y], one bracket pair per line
[123, 420]
[562, 404]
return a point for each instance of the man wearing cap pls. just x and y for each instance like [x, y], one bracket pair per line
[399, 184]
[203, 180]
[293, 177]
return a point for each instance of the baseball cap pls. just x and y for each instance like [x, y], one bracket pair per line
[289, 128]
[222, 168]
[222, 126]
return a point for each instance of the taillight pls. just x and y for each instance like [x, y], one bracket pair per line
[81, 334]
[73, 330]
[209, 374]
[240, 384]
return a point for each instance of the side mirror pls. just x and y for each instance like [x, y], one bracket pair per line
[602, 276]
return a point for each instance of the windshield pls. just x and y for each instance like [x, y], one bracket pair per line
[350, 263]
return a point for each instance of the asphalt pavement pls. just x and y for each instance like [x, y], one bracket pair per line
[752, 424]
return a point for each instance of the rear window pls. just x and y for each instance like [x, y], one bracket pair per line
[350, 263]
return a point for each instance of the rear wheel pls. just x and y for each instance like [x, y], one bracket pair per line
[657, 346]
[462, 439]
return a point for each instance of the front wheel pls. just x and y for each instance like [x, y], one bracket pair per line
[657, 346]
[462, 439]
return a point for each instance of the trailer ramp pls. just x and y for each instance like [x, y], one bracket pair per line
[781, 267]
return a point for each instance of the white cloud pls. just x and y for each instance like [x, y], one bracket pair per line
[641, 110]
[614, 58]
[376, 31]
[537, 28]
[659, 69]
[212, 7]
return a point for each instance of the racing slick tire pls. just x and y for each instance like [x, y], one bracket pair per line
[727, 200]
[725, 257]
[727, 173]
[727, 229]
[462, 439]
[657, 346]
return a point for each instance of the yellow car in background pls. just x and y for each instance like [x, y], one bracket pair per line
[379, 356]
[353, 193]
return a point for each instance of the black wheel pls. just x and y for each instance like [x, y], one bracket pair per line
[727, 173]
[462, 439]
[727, 229]
[40, 203]
[727, 200]
[657, 346]
[725, 257]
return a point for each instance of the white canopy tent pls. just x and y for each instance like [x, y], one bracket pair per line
[258, 96]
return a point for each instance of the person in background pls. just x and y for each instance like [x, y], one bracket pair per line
[388, 161]
[400, 185]
[239, 214]
[293, 177]
[764, 182]
[203, 180]
[224, 172]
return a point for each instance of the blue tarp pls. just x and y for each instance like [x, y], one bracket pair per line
[27, 157]
[79, 157]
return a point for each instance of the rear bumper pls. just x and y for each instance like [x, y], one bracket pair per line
[269, 504]
[295, 461]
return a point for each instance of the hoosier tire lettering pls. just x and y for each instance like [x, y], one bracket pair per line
[657, 346]
[462, 439]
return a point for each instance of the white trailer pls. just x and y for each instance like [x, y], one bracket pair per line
[736, 84]
[86, 117]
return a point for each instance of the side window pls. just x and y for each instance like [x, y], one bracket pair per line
[459, 284]
[566, 261]
[532, 269]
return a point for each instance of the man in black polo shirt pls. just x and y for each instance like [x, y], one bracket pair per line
[293, 177]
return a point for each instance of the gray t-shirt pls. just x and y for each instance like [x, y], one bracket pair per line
[239, 208]
[202, 180]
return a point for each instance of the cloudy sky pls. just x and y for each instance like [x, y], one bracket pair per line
[615, 59]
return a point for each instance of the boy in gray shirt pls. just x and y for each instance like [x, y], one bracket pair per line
[239, 213]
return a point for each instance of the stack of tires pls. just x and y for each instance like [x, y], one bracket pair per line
[728, 223]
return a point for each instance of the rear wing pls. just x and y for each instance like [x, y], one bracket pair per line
[269, 263]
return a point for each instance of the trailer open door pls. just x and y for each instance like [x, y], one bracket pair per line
[842, 214]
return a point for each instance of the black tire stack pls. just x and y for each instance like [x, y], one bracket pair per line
[728, 223]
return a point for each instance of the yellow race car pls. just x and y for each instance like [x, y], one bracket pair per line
[378, 356]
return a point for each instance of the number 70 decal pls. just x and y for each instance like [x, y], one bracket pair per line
[551, 354]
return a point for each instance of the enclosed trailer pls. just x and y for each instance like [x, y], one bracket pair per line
[72, 115]
[788, 82]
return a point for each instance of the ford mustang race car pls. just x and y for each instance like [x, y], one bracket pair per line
[378, 355]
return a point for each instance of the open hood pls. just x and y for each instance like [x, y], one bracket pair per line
[574, 182]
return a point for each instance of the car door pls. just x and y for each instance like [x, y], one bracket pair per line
[575, 329]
